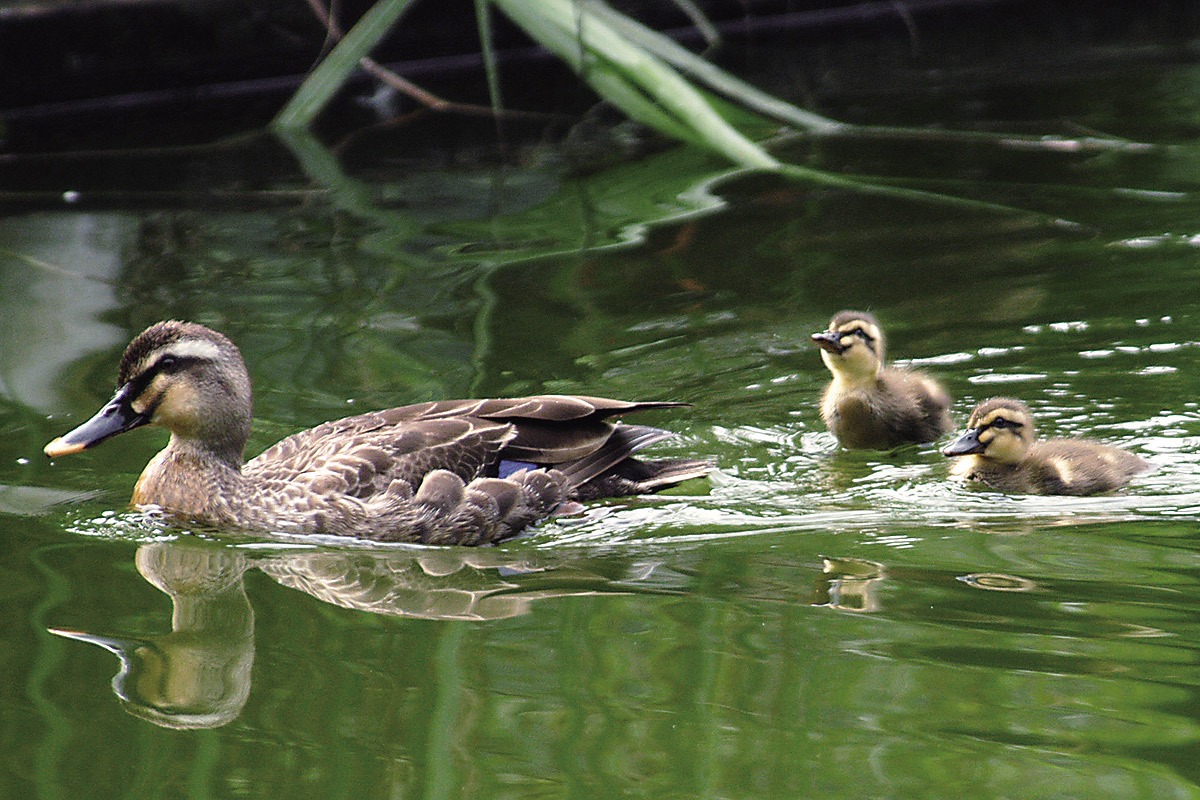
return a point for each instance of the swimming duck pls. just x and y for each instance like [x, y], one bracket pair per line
[999, 450]
[444, 472]
[871, 406]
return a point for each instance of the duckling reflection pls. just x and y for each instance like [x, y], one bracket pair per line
[871, 406]
[1000, 449]
[999, 582]
[198, 675]
[850, 584]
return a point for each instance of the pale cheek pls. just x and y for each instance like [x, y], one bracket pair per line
[860, 360]
[1005, 448]
[146, 401]
[176, 412]
[150, 397]
[832, 362]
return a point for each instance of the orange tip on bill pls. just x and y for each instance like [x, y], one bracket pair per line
[61, 447]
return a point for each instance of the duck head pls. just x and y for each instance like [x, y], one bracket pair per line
[182, 376]
[853, 346]
[1000, 429]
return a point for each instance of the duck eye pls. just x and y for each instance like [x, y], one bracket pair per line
[168, 363]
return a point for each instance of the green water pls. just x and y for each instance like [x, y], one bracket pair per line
[810, 622]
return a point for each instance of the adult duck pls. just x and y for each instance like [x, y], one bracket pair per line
[444, 472]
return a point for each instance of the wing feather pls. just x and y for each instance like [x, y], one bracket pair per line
[362, 456]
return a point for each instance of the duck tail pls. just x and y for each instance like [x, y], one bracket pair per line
[612, 471]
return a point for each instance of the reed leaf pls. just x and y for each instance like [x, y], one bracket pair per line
[589, 44]
[712, 76]
[632, 66]
[335, 69]
[487, 48]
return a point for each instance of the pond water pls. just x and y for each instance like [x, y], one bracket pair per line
[809, 622]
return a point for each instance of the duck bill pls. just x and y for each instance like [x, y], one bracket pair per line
[965, 445]
[113, 644]
[829, 341]
[117, 416]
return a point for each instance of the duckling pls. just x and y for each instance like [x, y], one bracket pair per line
[999, 450]
[871, 406]
[443, 472]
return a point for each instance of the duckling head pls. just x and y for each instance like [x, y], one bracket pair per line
[182, 376]
[853, 347]
[1000, 429]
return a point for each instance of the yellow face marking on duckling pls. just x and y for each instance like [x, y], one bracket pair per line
[1000, 435]
[858, 362]
[963, 468]
[991, 418]
[859, 327]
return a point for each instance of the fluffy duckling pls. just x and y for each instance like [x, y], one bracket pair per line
[999, 450]
[868, 405]
[447, 472]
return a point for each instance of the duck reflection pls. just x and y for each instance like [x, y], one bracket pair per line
[198, 674]
[439, 584]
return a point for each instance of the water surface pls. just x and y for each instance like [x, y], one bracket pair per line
[811, 621]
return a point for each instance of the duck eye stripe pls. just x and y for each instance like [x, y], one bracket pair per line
[138, 383]
[167, 364]
[173, 363]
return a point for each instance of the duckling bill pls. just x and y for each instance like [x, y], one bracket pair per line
[444, 472]
[1000, 450]
[869, 405]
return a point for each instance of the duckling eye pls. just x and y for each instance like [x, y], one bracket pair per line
[862, 334]
[1001, 423]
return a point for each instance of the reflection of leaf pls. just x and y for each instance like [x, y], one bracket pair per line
[349, 194]
[613, 208]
